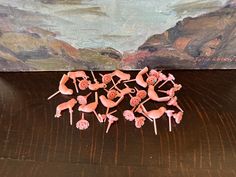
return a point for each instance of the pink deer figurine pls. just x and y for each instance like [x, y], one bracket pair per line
[62, 87]
[109, 103]
[90, 107]
[66, 105]
[83, 99]
[139, 78]
[153, 114]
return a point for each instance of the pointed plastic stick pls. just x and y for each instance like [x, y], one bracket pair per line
[71, 118]
[53, 95]
[155, 126]
[94, 78]
[169, 123]
[132, 80]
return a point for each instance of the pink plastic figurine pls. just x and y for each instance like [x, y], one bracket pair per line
[177, 87]
[141, 93]
[151, 80]
[96, 85]
[66, 105]
[62, 87]
[111, 120]
[109, 103]
[122, 77]
[153, 95]
[91, 107]
[134, 101]
[76, 74]
[125, 91]
[106, 78]
[129, 115]
[112, 94]
[162, 77]
[103, 117]
[83, 99]
[169, 114]
[170, 92]
[170, 78]
[153, 114]
[178, 117]
[139, 121]
[83, 84]
[173, 102]
[82, 124]
[139, 78]
[155, 73]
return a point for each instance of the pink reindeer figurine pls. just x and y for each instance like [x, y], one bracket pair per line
[139, 78]
[66, 105]
[90, 107]
[62, 87]
[153, 114]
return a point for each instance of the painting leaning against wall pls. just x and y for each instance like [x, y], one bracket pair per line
[47, 35]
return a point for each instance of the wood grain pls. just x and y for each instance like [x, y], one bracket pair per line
[34, 143]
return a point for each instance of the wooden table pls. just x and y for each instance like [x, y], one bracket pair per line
[34, 143]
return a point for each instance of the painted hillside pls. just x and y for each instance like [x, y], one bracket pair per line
[28, 42]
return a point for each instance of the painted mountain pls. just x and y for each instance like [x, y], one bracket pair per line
[42, 35]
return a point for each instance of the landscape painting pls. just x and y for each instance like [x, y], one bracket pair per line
[58, 35]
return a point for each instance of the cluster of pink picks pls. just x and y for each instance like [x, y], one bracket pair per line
[115, 95]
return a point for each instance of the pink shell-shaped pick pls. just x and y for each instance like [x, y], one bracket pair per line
[151, 80]
[162, 76]
[111, 94]
[129, 115]
[81, 99]
[139, 122]
[111, 118]
[171, 77]
[83, 84]
[177, 87]
[82, 124]
[134, 101]
[141, 94]
[155, 73]
[178, 117]
[106, 78]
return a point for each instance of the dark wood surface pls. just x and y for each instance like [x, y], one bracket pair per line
[34, 143]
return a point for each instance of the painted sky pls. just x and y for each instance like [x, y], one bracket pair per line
[121, 24]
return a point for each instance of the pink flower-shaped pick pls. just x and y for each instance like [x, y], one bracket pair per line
[82, 124]
[129, 115]
[134, 101]
[139, 122]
